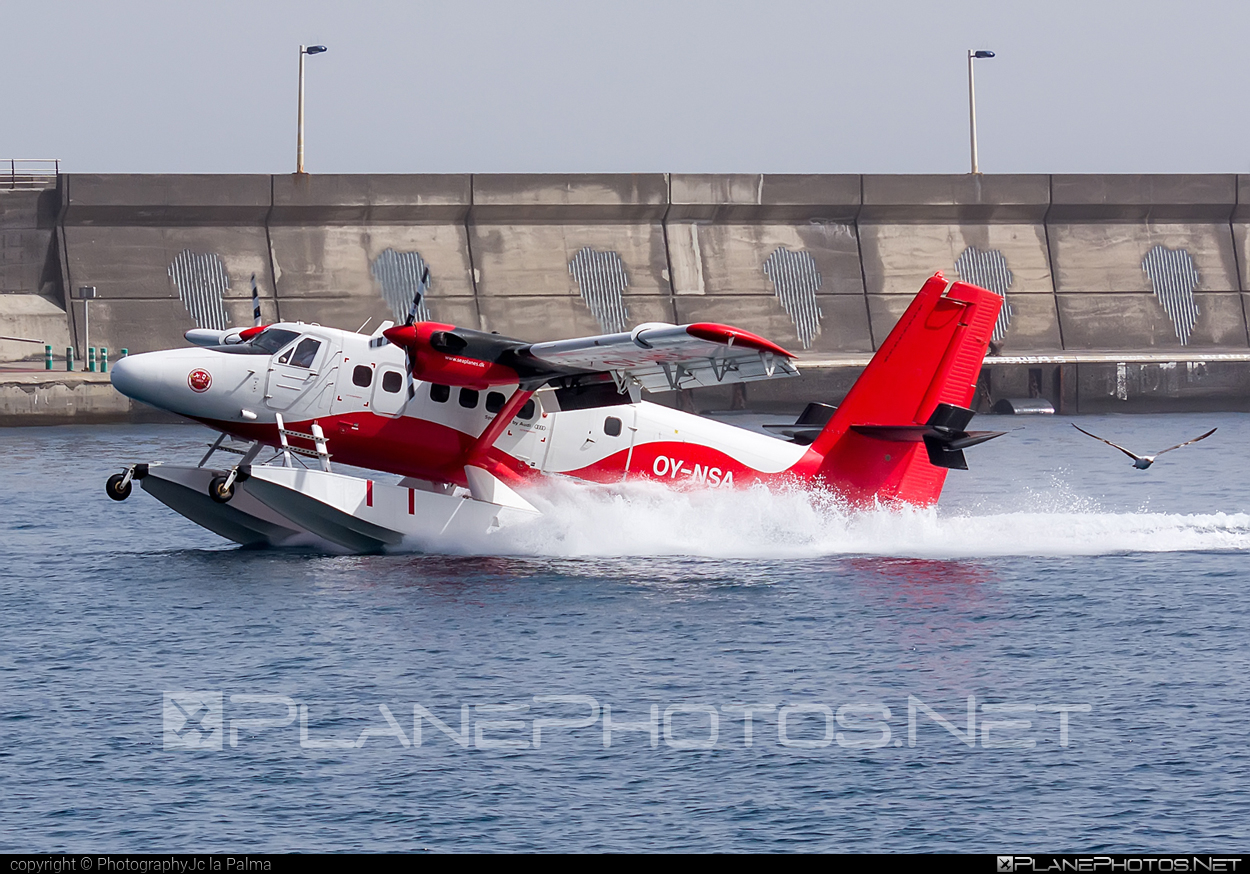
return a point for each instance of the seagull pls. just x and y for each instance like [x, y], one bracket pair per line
[1141, 462]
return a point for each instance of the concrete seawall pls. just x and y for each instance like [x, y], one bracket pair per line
[1093, 266]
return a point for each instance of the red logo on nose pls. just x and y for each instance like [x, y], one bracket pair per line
[199, 380]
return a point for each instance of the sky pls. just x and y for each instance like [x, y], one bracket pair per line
[784, 86]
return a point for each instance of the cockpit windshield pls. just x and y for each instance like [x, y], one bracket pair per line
[271, 340]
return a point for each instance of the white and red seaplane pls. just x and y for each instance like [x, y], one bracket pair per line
[459, 423]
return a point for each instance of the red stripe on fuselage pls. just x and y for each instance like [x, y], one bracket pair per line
[688, 463]
[404, 446]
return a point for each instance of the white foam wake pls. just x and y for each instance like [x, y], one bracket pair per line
[644, 519]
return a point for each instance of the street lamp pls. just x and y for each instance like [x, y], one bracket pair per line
[972, 104]
[299, 147]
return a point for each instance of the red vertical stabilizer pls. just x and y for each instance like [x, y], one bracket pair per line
[933, 356]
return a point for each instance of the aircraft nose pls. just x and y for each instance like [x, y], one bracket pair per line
[135, 376]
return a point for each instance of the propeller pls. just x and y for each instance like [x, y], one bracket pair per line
[256, 319]
[422, 285]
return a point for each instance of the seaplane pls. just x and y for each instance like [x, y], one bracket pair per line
[447, 428]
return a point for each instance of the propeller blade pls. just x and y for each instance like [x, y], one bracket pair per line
[256, 320]
[422, 285]
[412, 384]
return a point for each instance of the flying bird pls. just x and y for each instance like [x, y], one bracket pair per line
[1141, 462]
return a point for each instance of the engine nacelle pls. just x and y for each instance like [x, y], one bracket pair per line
[228, 337]
[438, 353]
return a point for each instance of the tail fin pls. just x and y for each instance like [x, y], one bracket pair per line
[896, 421]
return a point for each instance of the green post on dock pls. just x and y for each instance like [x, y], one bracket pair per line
[47, 357]
[125, 352]
[91, 359]
[104, 359]
[69, 358]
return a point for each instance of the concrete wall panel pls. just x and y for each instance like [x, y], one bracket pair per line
[380, 198]
[558, 318]
[533, 259]
[884, 311]
[1091, 257]
[354, 246]
[1138, 321]
[843, 326]
[898, 258]
[955, 198]
[732, 198]
[350, 312]
[28, 262]
[541, 198]
[165, 199]
[337, 260]
[1153, 197]
[1033, 326]
[1241, 245]
[135, 261]
[33, 317]
[731, 258]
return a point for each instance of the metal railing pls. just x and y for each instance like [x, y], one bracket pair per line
[30, 172]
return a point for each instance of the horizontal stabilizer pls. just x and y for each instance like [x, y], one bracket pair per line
[943, 435]
[807, 426]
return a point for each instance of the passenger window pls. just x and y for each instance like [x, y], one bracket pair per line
[527, 411]
[468, 398]
[612, 426]
[494, 402]
[362, 375]
[439, 393]
[305, 352]
[391, 381]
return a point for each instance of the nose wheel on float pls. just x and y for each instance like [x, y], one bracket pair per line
[221, 488]
[119, 485]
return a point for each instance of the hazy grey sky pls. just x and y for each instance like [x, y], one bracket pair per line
[785, 86]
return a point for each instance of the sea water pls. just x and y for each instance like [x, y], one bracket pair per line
[1054, 659]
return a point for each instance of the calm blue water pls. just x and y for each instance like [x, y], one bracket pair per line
[1054, 574]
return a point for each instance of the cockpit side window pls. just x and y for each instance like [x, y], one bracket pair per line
[305, 352]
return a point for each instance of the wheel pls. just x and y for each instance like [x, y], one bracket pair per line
[218, 492]
[115, 489]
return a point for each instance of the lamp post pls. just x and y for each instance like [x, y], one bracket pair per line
[86, 294]
[972, 104]
[299, 146]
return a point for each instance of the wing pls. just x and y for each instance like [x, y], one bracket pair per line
[663, 357]
[1187, 442]
[1108, 442]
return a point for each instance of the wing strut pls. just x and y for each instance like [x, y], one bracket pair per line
[476, 456]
